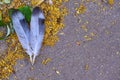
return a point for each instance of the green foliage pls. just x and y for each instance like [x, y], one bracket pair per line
[26, 11]
[2, 23]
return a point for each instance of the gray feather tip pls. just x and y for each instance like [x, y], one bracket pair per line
[17, 13]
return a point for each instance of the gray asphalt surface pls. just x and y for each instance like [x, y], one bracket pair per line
[95, 59]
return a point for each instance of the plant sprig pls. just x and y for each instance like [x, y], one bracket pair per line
[25, 10]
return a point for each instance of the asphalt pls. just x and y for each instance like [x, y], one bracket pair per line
[92, 54]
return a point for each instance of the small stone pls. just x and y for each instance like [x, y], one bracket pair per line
[117, 52]
[107, 32]
[21, 65]
[62, 33]
[32, 68]
[53, 68]
[78, 43]
[57, 72]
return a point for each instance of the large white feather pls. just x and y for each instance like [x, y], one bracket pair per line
[36, 31]
[22, 31]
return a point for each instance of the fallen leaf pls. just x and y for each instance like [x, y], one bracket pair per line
[86, 67]
[26, 12]
[111, 2]
[44, 62]
[0, 15]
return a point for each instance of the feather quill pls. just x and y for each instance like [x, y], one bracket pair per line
[22, 31]
[36, 31]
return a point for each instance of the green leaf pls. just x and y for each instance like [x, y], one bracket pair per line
[1, 23]
[1, 38]
[26, 11]
[10, 11]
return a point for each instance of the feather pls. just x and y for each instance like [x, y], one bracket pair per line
[36, 31]
[22, 31]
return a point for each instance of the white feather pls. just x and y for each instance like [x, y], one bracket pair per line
[22, 31]
[36, 31]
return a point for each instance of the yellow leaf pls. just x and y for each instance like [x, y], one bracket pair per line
[111, 2]
[36, 2]
[44, 62]
[0, 15]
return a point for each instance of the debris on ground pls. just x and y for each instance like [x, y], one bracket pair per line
[45, 61]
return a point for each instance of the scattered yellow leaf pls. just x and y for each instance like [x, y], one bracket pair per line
[44, 62]
[84, 28]
[36, 2]
[86, 67]
[81, 9]
[111, 2]
[54, 22]
[0, 15]
[88, 38]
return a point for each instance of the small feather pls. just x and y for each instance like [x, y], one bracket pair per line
[36, 31]
[22, 30]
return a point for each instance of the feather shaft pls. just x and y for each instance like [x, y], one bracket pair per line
[36, 31]
[22, 30]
